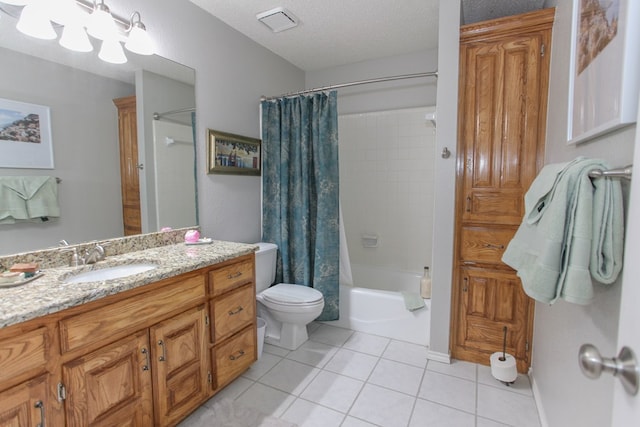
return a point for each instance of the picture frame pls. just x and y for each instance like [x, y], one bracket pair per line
[25, 135]
[604, 66]
[228, 153]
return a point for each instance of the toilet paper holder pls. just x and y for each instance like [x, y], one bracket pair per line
[503, 365]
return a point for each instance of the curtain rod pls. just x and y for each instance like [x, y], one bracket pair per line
[157, 116]
[361, 82]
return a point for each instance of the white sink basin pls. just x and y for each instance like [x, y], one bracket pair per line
[110, 273]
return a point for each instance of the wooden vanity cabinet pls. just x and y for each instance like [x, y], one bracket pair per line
[25, 404]
[148, 356]
[233, 313]
[26, 393]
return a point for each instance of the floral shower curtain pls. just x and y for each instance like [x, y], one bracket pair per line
[300, 192]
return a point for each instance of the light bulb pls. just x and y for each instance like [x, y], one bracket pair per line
[34, 21]
[74, 37]
[101, 24]
[139, 41]
[111, 51]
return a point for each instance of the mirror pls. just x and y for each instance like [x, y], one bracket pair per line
[79, 89]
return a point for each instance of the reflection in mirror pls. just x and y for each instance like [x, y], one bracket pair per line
[80, 90]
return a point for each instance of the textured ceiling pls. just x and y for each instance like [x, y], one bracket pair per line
[335, 32]
[338, 32]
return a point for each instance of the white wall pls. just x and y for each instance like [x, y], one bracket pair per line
[567, 397]
[445, 176]
[85, 145]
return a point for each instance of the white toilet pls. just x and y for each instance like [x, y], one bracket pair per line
[287, 309]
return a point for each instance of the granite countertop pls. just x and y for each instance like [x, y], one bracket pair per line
[49, 293]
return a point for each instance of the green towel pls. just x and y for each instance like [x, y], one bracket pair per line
[27, 198]
[412, 301]
[572, 231]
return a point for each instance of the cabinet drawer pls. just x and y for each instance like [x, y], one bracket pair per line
[484, 245]
[233, 311]
[234, 356]
[231, 276]
[23, 353]
[130, 314]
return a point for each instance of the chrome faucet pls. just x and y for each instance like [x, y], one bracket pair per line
[93, 255]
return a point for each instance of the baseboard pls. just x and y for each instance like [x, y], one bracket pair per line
[438, 357]
[536, 396]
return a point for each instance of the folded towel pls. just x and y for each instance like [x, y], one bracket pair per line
[572, 230]
[27, 198]
[412, 301]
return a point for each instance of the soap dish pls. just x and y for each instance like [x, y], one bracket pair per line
[21, 282]
[203, 241]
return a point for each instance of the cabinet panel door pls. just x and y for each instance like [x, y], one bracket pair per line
[180, 365]
[500, 132]
[489, 301]
[25, 404]
[111, 386]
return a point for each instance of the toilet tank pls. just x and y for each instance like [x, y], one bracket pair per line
[266, 257]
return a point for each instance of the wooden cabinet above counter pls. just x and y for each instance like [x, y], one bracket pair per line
[146, 351]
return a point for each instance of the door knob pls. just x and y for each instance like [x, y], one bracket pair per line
[624, 366]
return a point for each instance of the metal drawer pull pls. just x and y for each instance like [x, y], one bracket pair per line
[491, 246]
[163, 357]
[237, 356]
[236, 311]
[468, 204]
[146, 356]
[465, 287]
[233, 276]
[40, 406]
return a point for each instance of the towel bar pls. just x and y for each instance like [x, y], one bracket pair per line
[624, 172]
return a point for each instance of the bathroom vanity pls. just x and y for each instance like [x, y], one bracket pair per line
[146, 349]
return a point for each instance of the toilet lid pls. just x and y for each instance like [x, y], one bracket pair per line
[285, 293]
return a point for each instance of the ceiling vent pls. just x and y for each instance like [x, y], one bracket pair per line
[278, 19]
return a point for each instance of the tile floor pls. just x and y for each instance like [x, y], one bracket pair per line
[352, 379]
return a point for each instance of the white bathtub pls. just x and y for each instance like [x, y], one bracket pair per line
[368, 307]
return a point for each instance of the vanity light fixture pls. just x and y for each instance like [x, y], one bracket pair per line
[35, 22]
[111, 51]
[73, 16]
[138, 41]
[101, 24]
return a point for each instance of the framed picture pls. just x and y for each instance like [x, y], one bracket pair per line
[25, 136]
[232, 154]
[603, 81]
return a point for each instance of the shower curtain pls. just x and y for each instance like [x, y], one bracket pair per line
[300, 192]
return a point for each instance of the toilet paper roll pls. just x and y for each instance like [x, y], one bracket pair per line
[504, 370]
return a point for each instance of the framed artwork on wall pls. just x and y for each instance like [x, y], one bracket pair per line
[604, 66]
[25, 136]
[232, 154]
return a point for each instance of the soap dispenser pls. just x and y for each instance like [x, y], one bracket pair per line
[425, 284]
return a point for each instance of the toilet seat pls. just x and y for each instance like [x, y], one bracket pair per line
[292, 295]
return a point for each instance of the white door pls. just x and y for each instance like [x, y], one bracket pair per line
[626, 408]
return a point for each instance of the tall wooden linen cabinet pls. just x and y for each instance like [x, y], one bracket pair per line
[502, 107]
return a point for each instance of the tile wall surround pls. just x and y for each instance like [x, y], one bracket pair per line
[387, 161]
[60, 256]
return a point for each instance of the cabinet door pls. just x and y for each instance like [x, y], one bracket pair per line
[24, 405]
[111, 386]
[500, 128]
[180, 365]
[489, 301]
